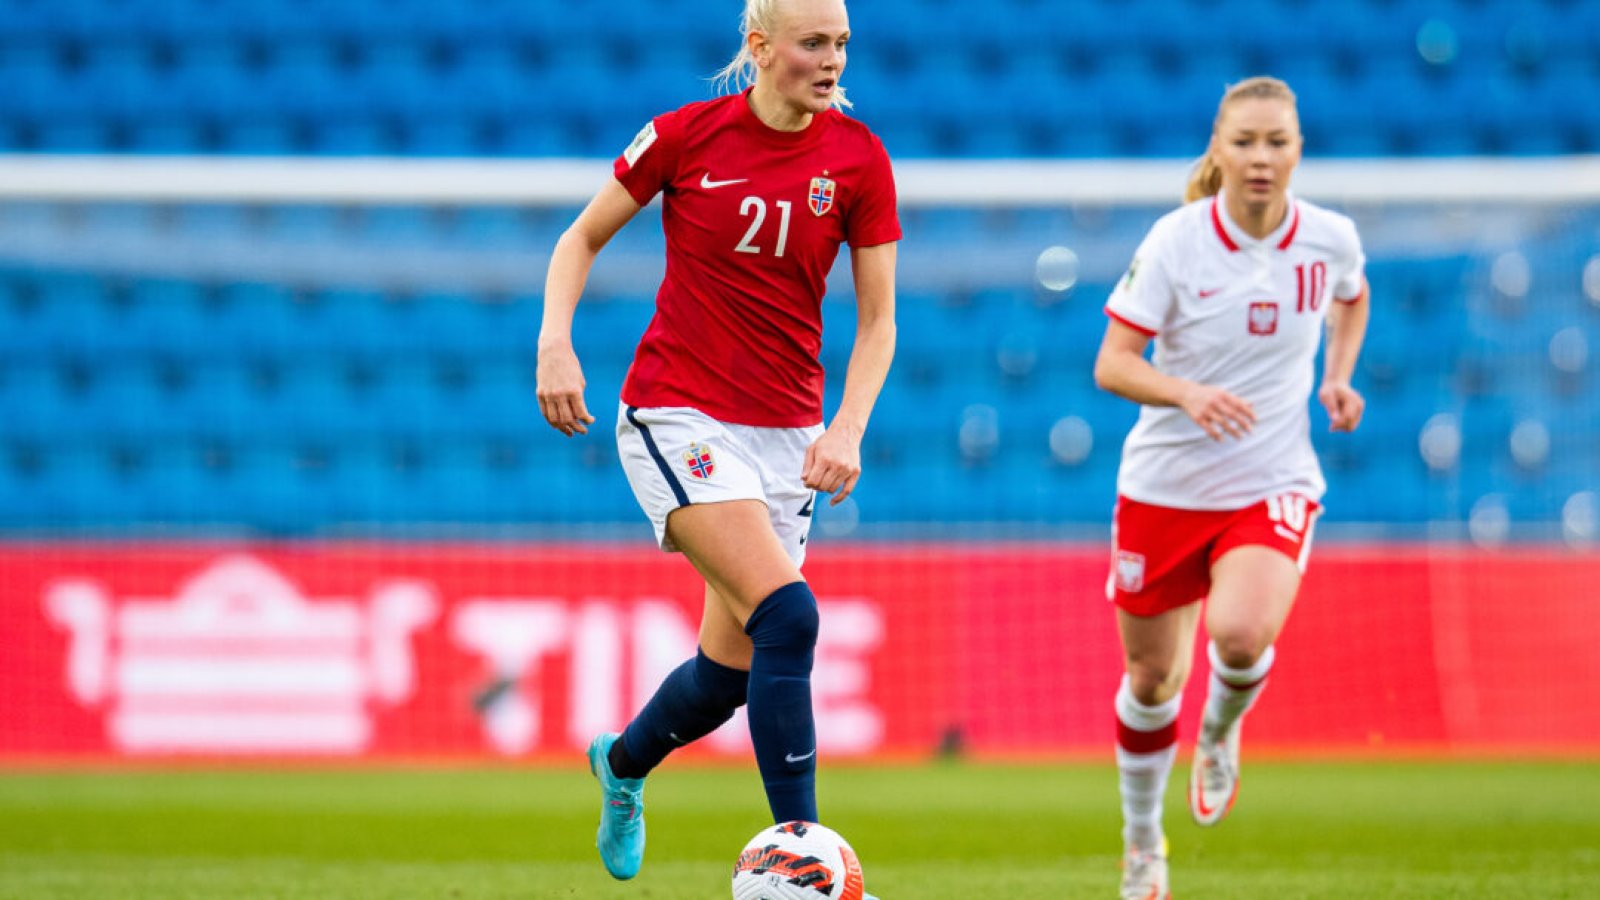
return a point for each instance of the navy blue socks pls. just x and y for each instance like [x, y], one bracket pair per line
[701, 694]
[691, 703]
[784, 631]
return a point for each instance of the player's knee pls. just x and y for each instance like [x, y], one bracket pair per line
[724, 686]
[786, 620]
[1241, 648]
[1153, 685]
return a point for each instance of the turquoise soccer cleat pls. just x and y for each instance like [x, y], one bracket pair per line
[621, 835]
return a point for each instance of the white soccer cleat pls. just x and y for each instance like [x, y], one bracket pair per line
[1214, 778]
[1144, 874]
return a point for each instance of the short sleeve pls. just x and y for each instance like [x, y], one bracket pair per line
[1143, 297]
[651, 162]
[1352, 278]
[873, 217]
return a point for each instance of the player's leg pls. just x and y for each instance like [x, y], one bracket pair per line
[1158, 576]
[1253, 589]
[1157, 651]
[694, 700]
[1157, 660]
[737, 551]
[654, 447]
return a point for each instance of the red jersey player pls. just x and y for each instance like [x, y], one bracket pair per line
[720, 425]
[1219, 486]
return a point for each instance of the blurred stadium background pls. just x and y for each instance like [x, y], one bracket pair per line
[273, 480]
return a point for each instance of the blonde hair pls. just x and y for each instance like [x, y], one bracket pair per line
[1205, 179]
[740, 72]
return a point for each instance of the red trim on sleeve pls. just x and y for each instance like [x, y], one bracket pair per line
[1216, 221]
[1293, 227]
[1360, 295]
[1134, 325]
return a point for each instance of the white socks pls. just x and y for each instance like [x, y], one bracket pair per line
[1147, 743]
[1231, 692]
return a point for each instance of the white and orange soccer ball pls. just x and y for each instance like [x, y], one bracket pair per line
[797, 861]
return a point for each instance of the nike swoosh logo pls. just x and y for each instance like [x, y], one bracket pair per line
[801, 758]
[1205, 294]
[1200, 801]
[708, 184]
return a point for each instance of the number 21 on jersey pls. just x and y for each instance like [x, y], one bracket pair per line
[757, 208]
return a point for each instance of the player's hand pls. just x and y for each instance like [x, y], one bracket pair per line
[1217, 411]
[1343, 403]
[561, 390]
[833, 464]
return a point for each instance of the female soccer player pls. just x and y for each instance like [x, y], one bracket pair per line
[1219, 485]
[719, 428]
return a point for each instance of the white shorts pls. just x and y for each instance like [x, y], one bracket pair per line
[674, 456]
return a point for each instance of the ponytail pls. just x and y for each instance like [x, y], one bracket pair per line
[1205, 179]
[740, 72]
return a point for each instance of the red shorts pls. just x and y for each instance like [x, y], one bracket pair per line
[1161, 557]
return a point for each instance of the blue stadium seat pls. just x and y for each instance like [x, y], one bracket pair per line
[362, 76]
[285, 488]
[71, 314]
[501, 403]
[39, 407]
[1395, 491]
[256, 320]
[295, 406]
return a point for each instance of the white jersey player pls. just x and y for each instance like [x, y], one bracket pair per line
[1219, 486]
[1245, 315]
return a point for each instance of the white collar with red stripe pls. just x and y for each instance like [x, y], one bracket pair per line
[1233, 237]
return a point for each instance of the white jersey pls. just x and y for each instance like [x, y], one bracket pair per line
[1244, 315]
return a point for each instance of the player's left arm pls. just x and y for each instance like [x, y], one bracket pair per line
[833, 462]
[1347, 328]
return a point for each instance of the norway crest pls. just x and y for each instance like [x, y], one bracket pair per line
[699, 462]
[821, 196]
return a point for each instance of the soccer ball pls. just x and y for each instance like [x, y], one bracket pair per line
[797, 861]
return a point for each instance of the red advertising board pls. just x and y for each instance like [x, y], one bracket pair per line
[516, 650]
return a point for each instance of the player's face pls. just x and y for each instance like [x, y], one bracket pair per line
[806, 53]
[1257, 146]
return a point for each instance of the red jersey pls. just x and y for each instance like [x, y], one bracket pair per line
[754, 218]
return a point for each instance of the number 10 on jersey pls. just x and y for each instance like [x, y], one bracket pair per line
[758, 207]
[1309, 284]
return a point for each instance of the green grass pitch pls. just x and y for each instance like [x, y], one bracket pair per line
[1412, 829]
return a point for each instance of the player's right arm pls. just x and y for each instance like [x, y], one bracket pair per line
[1122, 369]
[560, 377]
[1138, 306]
